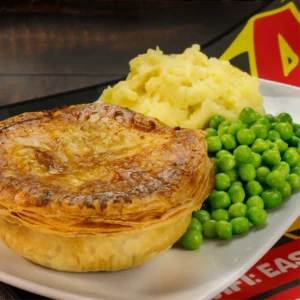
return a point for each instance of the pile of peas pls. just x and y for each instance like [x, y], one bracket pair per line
[257, 165]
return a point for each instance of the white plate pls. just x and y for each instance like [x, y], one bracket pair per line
[176, 274]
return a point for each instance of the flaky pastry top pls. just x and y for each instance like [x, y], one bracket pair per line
[98, 160]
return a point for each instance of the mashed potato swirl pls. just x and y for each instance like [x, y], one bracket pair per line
[185, 89]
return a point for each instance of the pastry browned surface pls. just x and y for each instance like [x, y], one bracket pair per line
[99, 164]
[98, 170]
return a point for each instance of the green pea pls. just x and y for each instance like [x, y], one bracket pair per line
[281, 145]
[255, 201]
[222, 130]
[220, 199]
[191, 240]
[273, 135]
[216, 162]
[228, 141]
[298, 150]
[195, 225]
[222, 152]
[214, 144]
[257, 216]
[271, 157]
[209, 229]
[261, 174]
[212, 194]
[291, 156]
[294, 181]
[257, 115]
[256, 160]
[237, 183]
[234, 128]
[272, 125]
[248, 115]
[246, 137]
[201, 215]
[216, 121]
[297, 132]
[272, 146]
[259, 146]
[211, 132]
[261, 131]
[237, 210]
[270, 118]
[226, 162]
[240, 225]
[295, 127]
[272, 198]
[222, 182]
[247, 172]
[236, 193]
[296, 170]
[275, 179]
[224, 230]
[220, 214]
[286, 190]
[232, 174]
[284, 118]
[284, 168]
[243, 154]
[225, 123]
[264, 121]
[253, 188]
[285, 130]
[293, 141]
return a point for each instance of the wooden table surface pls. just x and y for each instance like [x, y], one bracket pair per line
[47, 48]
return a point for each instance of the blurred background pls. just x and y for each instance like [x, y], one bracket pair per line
[48, 47]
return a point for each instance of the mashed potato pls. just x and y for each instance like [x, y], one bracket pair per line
[185, 89]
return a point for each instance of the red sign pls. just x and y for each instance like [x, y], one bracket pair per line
[279, 266]
[272, 41]
[277, 47]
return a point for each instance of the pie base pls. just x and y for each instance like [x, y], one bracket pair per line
[94, 252]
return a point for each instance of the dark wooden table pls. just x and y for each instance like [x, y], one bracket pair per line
[50, 47]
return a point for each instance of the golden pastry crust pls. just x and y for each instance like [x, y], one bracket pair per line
[98, 170]
[99, 161]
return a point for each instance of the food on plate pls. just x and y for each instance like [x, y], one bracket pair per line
[98, 187]
[257, 173]
[185, 89]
